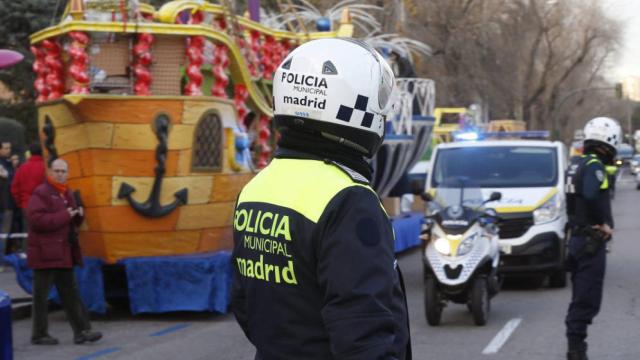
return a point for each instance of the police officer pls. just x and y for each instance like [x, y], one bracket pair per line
[589, 211]
[315, 275]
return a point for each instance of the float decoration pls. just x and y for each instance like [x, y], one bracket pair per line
[53, 61]
[50, 139]
[9, 58]
[195, 57]
[142, 68]
[79, 61]
[40, 68]
[152, 207]
[239, 100]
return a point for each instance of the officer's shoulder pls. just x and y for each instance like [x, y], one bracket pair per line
[595, 167]
[594, 164]
[355, 176]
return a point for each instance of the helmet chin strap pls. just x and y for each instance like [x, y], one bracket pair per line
[344, 141]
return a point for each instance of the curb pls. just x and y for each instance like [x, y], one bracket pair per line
[20, 311]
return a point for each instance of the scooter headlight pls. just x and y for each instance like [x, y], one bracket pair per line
[442, 246]
[467, 244]
[547, 212]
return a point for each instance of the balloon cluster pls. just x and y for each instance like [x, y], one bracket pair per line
[195, 56]
[239, 99]
[142, 67]
[220, 64]
[40, 69]
[254, 49]
[79, 61]
[54, 69]
[268, 66]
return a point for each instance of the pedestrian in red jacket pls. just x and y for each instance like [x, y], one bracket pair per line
[52, 251]
[28, 177]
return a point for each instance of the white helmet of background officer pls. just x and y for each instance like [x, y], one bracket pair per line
[603, 134]
[337, 88]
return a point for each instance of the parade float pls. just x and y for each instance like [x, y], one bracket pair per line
[163, 115]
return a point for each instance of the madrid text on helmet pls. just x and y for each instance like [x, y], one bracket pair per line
[305, 101]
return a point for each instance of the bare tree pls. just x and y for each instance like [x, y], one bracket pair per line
[520, 57]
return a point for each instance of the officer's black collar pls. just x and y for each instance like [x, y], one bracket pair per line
[284, 153]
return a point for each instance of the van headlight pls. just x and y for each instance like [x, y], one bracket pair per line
[547, 212]
[442, 246]
[466, 245]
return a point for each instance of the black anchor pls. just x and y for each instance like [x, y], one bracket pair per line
[49, 139]
[151, 207]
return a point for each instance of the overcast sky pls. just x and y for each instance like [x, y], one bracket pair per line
[628, 63]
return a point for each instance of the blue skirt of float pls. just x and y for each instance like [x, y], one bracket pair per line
[6, 343]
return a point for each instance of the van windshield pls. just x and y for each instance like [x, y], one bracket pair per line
[498, 166]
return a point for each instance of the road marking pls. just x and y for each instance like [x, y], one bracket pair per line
[97, 354]
[501, 337]
[170, 329]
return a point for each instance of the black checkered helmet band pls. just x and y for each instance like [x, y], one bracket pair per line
[603, 129]
[342, 83]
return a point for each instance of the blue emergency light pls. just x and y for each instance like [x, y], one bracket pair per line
[467, 136]
[533, 134]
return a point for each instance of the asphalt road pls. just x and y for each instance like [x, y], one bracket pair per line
[530, 320]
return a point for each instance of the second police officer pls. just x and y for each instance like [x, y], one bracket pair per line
[315, 275]
[591, 222]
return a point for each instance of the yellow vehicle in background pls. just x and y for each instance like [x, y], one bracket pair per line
[448, 120]
[506, 125]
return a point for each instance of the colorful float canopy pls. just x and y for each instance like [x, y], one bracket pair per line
[9, 57]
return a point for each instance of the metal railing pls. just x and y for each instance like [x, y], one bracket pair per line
[412, 96]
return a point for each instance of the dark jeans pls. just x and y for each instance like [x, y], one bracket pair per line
[587, 278]
[65, 282]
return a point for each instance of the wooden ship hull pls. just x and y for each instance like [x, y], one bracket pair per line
[109, 140]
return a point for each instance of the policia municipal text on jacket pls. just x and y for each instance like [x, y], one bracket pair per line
[589, 212]
[315, 275]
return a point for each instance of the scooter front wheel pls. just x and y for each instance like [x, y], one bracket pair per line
[432, 305]
[480, 301]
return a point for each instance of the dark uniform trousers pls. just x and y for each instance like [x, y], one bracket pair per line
[65, 283]
[587, 277]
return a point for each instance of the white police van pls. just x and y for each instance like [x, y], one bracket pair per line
[530, 176]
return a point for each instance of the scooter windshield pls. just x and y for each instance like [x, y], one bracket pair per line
[459, 191]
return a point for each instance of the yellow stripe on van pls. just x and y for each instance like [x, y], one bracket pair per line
[517, 209]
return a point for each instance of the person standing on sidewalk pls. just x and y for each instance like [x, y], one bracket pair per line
[28, 176]
[52, 251]
[7, 206]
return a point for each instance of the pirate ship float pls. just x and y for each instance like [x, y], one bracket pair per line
[163, 116]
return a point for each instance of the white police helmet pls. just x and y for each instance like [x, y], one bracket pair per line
[604, 130]
[339, 88]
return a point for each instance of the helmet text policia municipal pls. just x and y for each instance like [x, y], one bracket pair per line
[338, 88]
[603, 130]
